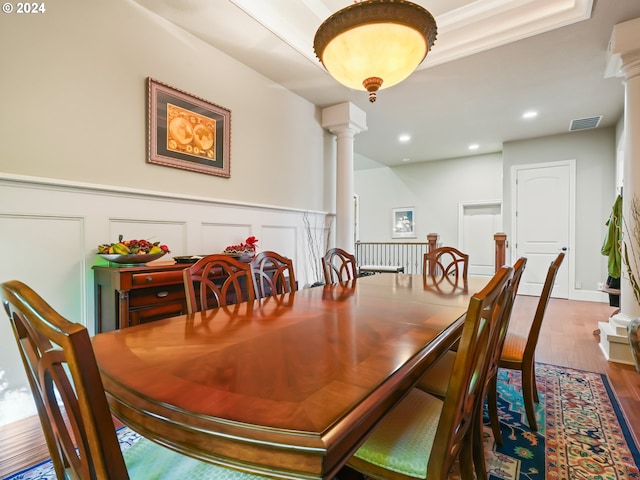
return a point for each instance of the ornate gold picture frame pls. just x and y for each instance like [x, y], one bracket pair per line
[188, 132]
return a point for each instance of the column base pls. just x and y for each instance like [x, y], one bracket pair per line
[614, 342]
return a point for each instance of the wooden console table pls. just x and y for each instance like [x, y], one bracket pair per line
[127, 296]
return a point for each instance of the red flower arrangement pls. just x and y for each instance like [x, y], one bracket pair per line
[248, 246]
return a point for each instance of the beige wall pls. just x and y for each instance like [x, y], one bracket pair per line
[595, 154]
[435, 189]
[73, 102]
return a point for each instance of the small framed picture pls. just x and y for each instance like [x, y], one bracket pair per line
[187, 132]
[403, 223]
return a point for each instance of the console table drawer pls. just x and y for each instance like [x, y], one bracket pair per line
[156, 278]
[152, 295]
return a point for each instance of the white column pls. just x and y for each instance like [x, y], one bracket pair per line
[630, 59]
[624, 61]
[345, 120]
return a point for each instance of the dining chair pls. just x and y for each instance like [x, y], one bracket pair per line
[72, 406]
[339, 265]
[215, 281]
[445, 263]
[423, 435]
[491, 378]
[492, 372]
[272, 274]
[436, 380]
[518, 352]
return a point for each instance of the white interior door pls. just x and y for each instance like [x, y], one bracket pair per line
[479, 221]
[543, 219]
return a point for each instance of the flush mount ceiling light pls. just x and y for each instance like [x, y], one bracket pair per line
[375, 44]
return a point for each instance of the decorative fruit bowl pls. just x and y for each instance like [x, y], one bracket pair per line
[132, 258]
[132, 252]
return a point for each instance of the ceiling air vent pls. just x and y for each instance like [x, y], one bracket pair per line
[584, 123]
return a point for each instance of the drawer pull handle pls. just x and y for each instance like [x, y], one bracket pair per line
[149, 278]
[162, 294]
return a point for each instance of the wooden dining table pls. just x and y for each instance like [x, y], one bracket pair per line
[286, 386]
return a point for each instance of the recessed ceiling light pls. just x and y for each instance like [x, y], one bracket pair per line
[404, 138]
[406, 159]
[474, 146]
[530, 114]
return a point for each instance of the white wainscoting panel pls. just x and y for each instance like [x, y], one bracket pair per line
[217, 236]
[51, 229]
[281, 239]
[46, 253]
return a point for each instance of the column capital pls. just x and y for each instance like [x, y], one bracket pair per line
[623, 56]
[344, 117]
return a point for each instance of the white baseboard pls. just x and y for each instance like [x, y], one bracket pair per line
[589, 296]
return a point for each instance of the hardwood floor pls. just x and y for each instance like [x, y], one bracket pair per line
[21, 445]
[566, 339]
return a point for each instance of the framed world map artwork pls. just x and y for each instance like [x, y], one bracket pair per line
[188, 132]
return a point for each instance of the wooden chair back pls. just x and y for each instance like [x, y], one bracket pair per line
[512, 291]
[445, 263]
[216, 281]
[338, 266]
[518, 351]
[60, 364]
[465, 393]
[272, 274]
[536, 324]
[491, 377]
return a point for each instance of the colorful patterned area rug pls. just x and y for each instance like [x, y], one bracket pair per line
[582, 432]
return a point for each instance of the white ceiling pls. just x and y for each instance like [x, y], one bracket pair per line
[492, 61]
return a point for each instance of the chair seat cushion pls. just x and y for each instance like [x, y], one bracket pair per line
[436, 380]
[513, 348]
[147, 460]
[403, 440]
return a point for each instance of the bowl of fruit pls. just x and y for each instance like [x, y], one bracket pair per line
[132, 252]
